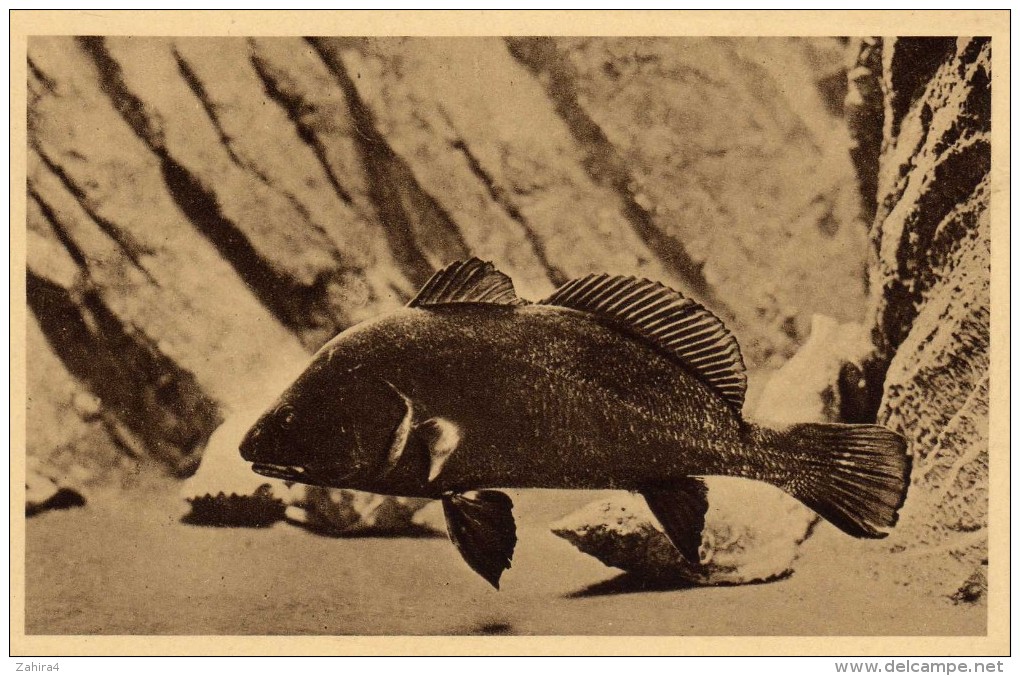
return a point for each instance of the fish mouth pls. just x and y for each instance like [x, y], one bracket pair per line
[329, 477]
[285, 472]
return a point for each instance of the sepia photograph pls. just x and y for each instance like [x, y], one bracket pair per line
[548, 333]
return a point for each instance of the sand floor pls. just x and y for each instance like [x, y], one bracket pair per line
[138, 570]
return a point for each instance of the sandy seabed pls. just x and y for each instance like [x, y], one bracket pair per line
[137, 570]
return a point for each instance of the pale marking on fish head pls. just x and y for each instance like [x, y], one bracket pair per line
[400, 435]
[443, 436]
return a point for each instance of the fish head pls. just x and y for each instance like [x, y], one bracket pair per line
[332, 427]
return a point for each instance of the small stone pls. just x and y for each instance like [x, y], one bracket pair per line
[336, 511]
[973, 589]
[38, 488]
[87, 405]
[43, 493]
[431, 517]
[738, 545]
[236, 511]
[295, 514]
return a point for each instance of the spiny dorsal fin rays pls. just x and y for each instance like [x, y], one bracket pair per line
[678, 326]
[470, 281]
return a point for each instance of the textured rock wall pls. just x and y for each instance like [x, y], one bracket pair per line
[931, 304]
[204, 212]
[709, 141]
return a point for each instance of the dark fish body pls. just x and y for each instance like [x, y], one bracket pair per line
[610, 383]
[543, 397]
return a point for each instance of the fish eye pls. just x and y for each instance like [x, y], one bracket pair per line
[285, 415]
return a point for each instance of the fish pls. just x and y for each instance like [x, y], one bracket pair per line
[611, 382]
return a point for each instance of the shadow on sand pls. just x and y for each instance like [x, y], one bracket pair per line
[628, 583]
[409, 531]
[631, 583]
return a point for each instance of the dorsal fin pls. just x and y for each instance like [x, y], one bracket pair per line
[470, 281]
[676, 325]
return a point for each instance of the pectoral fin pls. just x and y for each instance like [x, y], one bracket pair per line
[680, 507]
[481, 525]
[442, 437]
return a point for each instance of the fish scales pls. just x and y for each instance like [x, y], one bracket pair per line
[546, 397]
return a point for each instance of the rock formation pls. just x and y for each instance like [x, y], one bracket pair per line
[204, 213]
[930, 304]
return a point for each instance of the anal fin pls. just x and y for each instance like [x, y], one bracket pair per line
[481, 525]
[680, 507]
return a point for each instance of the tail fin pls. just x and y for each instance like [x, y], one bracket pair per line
[855, 476]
